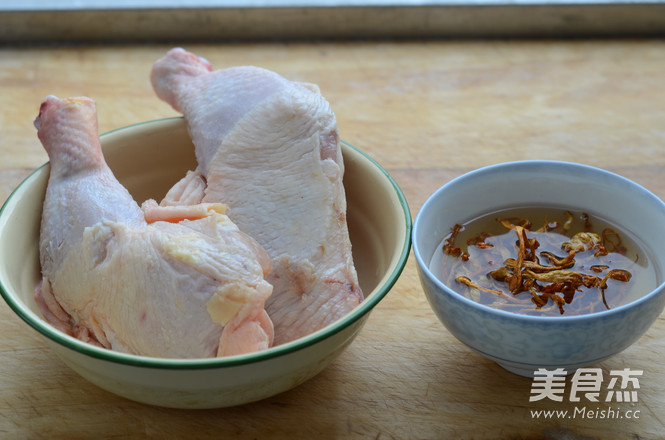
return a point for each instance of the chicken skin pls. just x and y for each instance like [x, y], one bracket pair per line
[172, 282]
[269, 149]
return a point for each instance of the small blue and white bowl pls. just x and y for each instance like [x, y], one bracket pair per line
[520, 343]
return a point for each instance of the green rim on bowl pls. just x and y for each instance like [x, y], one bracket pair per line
[395, 269]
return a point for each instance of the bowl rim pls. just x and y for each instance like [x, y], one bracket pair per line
[424, 270]
[368, 303]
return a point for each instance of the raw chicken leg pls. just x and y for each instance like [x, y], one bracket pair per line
[178, 282]
[269, 148]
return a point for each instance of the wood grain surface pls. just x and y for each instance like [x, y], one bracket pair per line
[427, 112]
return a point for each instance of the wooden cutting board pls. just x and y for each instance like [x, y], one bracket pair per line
[427, 111]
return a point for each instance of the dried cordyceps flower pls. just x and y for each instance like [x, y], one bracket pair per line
[558, 279]
[449, 247]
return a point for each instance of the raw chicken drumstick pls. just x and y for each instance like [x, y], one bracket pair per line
[179, 282]
[269, 148]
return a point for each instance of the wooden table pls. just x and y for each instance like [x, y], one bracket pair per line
[427, 112]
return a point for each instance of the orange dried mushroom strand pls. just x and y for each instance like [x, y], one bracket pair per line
[479, 241]
[612, 241]
[515, 281]
[467, 281]
[449, 247]
[524, 273]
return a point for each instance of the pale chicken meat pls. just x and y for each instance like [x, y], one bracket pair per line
[174, 282]
[269, 148]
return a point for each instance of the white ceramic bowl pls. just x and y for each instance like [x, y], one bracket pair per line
[521, 343]
[148, 158]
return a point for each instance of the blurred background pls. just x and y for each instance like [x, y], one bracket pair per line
[29, 21]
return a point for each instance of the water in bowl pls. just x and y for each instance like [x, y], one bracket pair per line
[479, 259]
